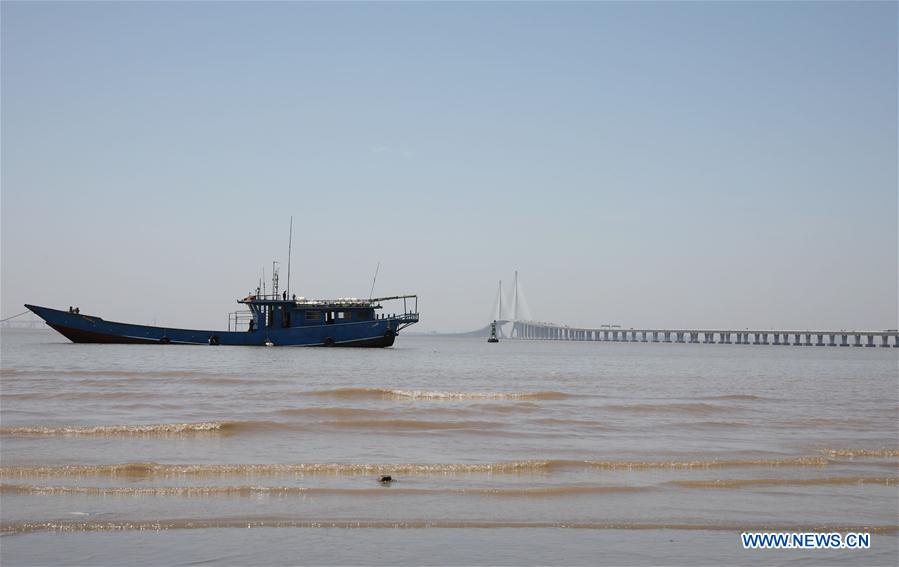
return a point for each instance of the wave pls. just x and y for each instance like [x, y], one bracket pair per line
[158, 429]
[741, 483]
[331, 412]
[280, 522]
[691, 408]
[221, 427]
[810, 422]
[883, 452]
[240, 427]
[412, 424]
[107, 372]
[520, 407]
[145, 470]
[205, 379]
[391, 491]
[388, 394]
[736, 397]
[714, 425]
[81, 396]
[711, 464]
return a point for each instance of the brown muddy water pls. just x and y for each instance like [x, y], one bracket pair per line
[524, 452]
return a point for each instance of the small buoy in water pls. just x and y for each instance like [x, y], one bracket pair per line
[386, 479]
[268, 342]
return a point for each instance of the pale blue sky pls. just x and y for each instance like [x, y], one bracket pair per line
[683, 164]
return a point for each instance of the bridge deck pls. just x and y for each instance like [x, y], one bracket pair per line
[533, 330]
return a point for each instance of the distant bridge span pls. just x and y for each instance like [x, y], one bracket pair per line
[517, 327]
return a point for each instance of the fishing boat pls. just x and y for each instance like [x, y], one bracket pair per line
[273, 319]
[270, 320]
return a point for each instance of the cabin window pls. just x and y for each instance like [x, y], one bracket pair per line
[313, 315]
[345, 315]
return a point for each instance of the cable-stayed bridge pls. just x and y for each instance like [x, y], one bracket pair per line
[514, 321]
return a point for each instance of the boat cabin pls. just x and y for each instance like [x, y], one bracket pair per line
[284, 313]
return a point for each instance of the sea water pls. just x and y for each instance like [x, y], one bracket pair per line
[522, 452]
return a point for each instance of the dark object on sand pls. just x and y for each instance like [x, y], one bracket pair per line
[386, 479]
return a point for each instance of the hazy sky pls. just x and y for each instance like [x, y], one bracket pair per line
[676, 164]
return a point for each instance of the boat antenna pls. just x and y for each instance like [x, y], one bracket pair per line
[275, 279]
[373, 280]
[289, 246]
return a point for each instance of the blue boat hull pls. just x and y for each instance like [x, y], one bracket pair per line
[78, 328]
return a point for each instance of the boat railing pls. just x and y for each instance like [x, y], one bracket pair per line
[240, 320]
[410, 303]
[409, 315]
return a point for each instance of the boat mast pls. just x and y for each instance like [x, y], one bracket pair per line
[289, 246]
[373, 280]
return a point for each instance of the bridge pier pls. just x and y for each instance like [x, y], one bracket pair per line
[858, 340]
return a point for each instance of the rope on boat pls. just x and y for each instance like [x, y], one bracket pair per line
[14, 316]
